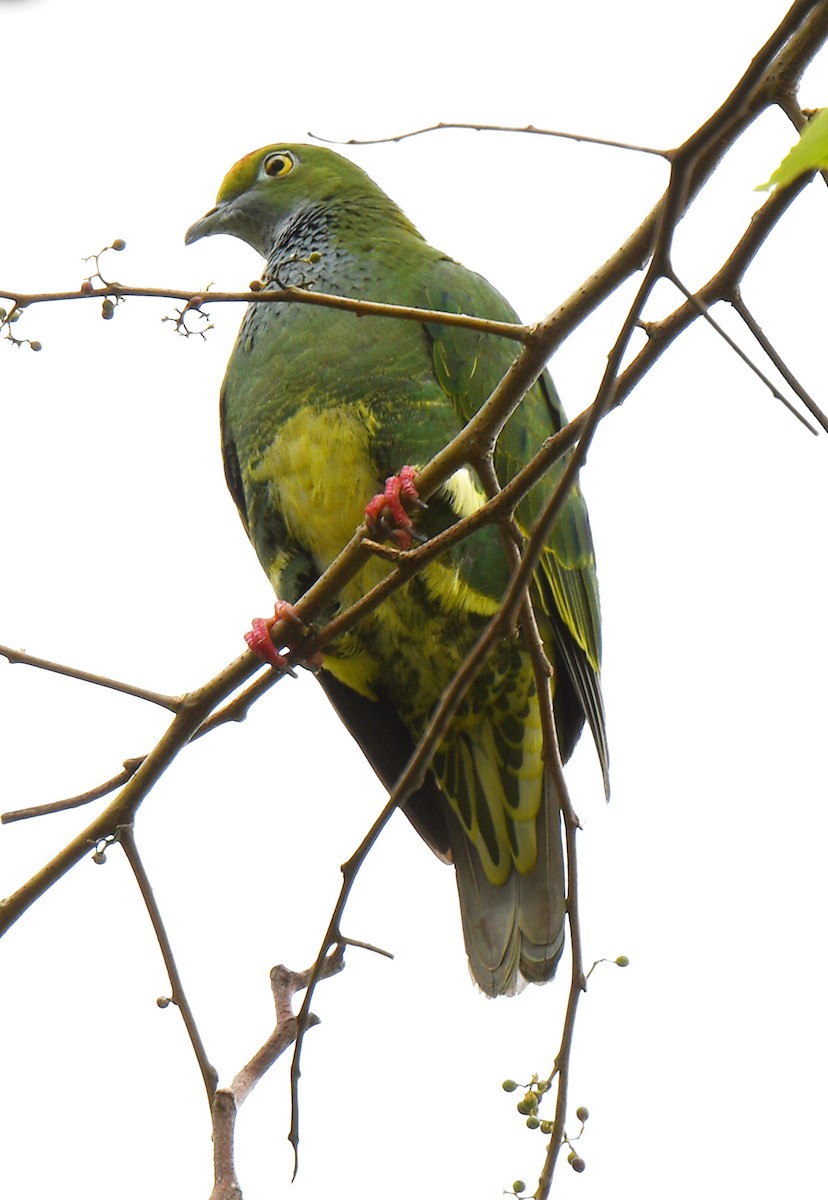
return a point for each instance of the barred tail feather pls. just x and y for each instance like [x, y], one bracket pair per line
[542, 895]
[514, 932]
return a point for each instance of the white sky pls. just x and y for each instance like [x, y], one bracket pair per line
[702, 1064]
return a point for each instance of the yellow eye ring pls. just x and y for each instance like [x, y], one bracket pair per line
[276, 165]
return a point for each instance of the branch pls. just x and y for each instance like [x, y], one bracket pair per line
[178, 997]
[103, 789]
[784, 370]
[228, 1101]
[554, 133]
[195, 707]
[257, 295]
[554, 766]
[724, 285]
[19, 657]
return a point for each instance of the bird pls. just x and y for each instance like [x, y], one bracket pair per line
[319, 408]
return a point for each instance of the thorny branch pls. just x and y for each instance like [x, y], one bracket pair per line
[771, 79]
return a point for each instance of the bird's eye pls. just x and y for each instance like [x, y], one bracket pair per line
[278, 164]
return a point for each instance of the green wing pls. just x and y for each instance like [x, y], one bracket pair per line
[468, 365]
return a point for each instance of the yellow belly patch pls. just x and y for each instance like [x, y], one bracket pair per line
[321, 476]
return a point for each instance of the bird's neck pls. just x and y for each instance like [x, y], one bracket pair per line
[318, 246]
[302, 236]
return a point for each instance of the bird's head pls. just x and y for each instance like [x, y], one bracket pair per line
[272, 186]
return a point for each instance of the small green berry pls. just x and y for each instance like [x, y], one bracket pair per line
[509, 1085]
[35, 346]
[622, 961]
[543, 1085]
[518, 1186]
[99, 858]
[13, 316]
[2, 314]
[582, 1113]
[578, 1164]
[107, 310]
[532, 1122]
[524, 1109]
[546, 1126]
[119, 244]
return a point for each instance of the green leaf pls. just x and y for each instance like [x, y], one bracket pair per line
[809, 154]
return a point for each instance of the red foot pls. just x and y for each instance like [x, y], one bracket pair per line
[261, 643]
[388, 515]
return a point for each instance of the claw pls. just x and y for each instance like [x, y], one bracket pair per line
[259, 638]
[388, 515]
[259, 641]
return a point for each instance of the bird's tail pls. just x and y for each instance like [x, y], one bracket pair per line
[514, 931]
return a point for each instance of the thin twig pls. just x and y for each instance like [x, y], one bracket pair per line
[103, 789]
[349, 941]
[238, 708]
[195, 707]
[290, 295]
[178, 997]
[708, 317]
[661, 334]
[19, 657]
[553, 766]
[577, 987]
[553, 133]
[782, 367]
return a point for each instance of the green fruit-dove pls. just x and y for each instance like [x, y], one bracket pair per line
[319, 407]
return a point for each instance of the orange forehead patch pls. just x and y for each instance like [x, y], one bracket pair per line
[239, 178]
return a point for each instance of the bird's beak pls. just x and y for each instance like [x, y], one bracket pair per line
[231, 217]
[211, 222]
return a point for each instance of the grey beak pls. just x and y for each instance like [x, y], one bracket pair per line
[209, 223]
